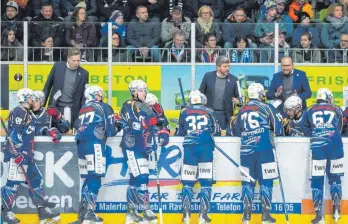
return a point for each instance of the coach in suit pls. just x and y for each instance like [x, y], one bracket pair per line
[66, 84]
[289, 82]
[221, 90]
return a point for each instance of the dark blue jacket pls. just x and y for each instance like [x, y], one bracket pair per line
[231, 90]
[300, 84]
[309, 29]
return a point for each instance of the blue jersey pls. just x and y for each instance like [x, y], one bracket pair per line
[43, 122]
[298, 127]
[345, 123]
[21, 130]
[197, 124]
[255, 123]
[326, 122]
[96, 121]
[136, 136]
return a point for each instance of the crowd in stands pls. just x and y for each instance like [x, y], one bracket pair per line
[160, 30]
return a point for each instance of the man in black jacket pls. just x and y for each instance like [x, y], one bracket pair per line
[46, 23]
[66, 83]
[11, 20]
[221, 90]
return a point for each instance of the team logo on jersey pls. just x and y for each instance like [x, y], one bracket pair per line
[129, 140]
[99, 132]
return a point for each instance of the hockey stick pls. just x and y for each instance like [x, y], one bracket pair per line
[182, 93]
[16, 153]
[157, 177]
[281, 188]
[236, 164]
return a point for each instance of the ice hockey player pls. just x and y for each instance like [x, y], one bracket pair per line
[139, 122]
[95, 123]
[48, 122]
[163, 131]
[197, 125]
[296, 125]
[345, 123]
[325, 120]
[256, 122]
[19, 152]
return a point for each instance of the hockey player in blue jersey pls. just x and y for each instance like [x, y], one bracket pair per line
[345, 123]
[197, 125]
[48, 122]
[139, 122]
[19, 152]
[256, 123]
[325, 120]
[95, 123]
[163, 130]
[297, 124]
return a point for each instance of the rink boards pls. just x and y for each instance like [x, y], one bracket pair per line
[58, 164]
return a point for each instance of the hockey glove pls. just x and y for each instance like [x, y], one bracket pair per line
[55, 134]
[149, 122]
[54, 112]
[20, 158]
[163, 137]
[118, 123]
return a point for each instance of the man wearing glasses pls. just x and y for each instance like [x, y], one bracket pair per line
[340, 55]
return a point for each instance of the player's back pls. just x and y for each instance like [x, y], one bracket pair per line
[256, 120]
[91, 121]
[196, 118]
[326, 122]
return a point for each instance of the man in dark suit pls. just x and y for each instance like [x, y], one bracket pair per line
[221, 90]
[288, 82]
[66, 84]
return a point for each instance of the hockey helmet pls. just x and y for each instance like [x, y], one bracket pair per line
[137, 85]
[92, 91]
[256, 91]
[24, 94]
[293, 103]
[39, 96]
[195, 97]
[151, 99]
[325, 94]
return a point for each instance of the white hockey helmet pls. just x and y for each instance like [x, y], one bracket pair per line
[256, 91]
[195, 97]
[136, 85]
[325, 94]
[204, 99]
[24, 94]
[92, 91]
[39, 96]
[151, 99]
[293, 103]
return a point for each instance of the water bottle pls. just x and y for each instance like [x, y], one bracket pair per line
[67, 113]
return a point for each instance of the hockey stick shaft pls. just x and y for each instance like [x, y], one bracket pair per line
[281, 187]
[157, 178]
[236, 164]
[182, 92]
[16, 153]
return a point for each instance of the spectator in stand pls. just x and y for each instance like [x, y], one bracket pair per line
[237, 24]
[12, 20]
[25, 8]
[242, 52]
[119, 53]
[284, 47]
[299, 6]
[178, 50]
[174, 23]
[46, 53]
[231, 5]
[216, 6]
[340, 55]
[307, 53]
[46, 23]
[117, 26]
[210, 51]
[37, 5]
[81, 34]
[264, 30]
[155, 8]
[185, 5]
[70, 6]
[306, 27]
[205, 24]
[289, 82]
[66, 84]
[344, 4]
[11, 48]
[143, 34]
[336, 25]
[107, 9]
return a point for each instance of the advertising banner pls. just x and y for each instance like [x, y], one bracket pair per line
[58, 165]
